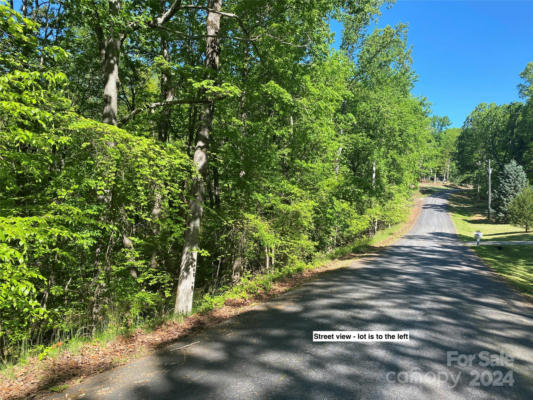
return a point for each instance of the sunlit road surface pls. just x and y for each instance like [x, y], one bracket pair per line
[458, 315]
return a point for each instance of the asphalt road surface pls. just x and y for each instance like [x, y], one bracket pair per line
[457, 312]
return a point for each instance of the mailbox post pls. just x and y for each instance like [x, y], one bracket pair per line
[478, 235]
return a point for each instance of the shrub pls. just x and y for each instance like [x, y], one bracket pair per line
[521, 209]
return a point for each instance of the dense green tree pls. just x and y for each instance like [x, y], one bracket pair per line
[439, 155]
[520, 208]
[500, 133]
[511, 181]
[77, 214]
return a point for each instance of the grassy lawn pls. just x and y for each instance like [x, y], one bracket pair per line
[470, 215]
[515, 263]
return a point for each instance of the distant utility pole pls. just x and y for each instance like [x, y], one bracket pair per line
[478, 179]
[490, 191]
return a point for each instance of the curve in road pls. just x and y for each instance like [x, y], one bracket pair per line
[427, 283]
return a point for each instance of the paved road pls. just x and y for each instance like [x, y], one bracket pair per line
[427, 283]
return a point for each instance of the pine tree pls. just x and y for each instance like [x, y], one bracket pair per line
[511, 181]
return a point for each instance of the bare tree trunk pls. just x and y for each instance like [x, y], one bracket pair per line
[338, 158]
[192, 127]
[156, 214]
[216, 187]
[167, 93]
[35, 10]
[237, 269]
[373, 187]
[111, 81]
[239, 261]
[292, 125]
[189, 259]
[215, 286]
[242, 102]
[46, 32]
[110, 54]
[373, 174]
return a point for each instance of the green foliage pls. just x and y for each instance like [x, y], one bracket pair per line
[525, 88]
[500, 133]
[71, 228]
[79, 240]
[19, 305]
[520, 209]
[58, 388]
[510, 182]
[14, 50]
[310, 150]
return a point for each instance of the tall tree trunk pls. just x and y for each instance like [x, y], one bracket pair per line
[338, 158]
[189, 258]
[373, 175]
[291, 121]
[193, 120]
[237, 269]
[35, 10]
[156, 214]
[167, 93]
[216, 187]
[111, 81]
[243, 115]
[111, 54]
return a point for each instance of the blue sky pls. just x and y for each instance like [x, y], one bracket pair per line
[465, 52]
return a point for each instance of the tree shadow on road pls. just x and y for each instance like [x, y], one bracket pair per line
[442, 295]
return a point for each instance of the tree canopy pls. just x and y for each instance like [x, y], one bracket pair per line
[502, 134]
[154, 153]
